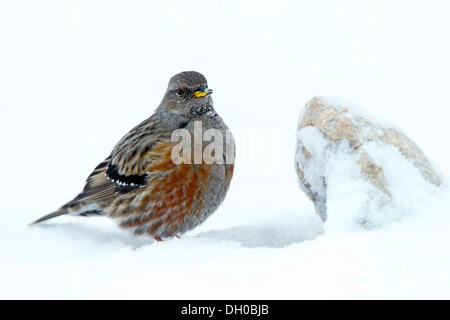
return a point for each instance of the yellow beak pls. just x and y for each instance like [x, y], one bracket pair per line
[203, 93]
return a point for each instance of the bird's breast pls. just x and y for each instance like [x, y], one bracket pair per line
[177, 197]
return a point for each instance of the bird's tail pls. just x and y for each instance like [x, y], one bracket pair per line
[57, 213]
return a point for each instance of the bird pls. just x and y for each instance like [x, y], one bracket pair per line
[141, 187]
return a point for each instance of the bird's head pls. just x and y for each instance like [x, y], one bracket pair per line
[188, 95]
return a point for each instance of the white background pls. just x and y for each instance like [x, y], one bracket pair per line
[75, 76]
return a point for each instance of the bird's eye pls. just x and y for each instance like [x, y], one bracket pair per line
[180, 92]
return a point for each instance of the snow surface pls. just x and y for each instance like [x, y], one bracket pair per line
[75, 76]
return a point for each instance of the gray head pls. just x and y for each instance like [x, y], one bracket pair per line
[188, 95]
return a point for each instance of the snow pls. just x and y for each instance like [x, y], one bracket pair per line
[76, 76]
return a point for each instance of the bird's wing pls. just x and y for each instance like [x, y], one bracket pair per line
[127, 167]
[98, 186]
[140, 160]
[133, 152]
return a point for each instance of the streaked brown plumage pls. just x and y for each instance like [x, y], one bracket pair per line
[140, 185]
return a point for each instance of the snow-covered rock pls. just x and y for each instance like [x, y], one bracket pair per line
[357, 168]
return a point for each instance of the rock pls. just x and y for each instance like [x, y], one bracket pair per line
[338, 143]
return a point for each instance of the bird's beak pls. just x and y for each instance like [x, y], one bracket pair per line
[202, 92]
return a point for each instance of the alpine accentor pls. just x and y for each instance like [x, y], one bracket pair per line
[141, 186]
